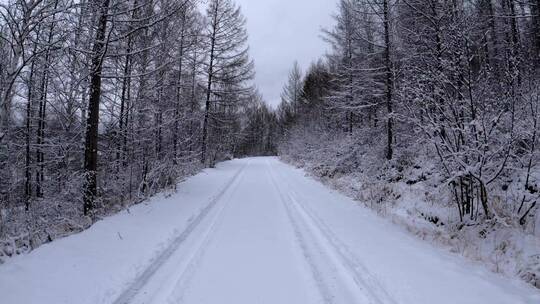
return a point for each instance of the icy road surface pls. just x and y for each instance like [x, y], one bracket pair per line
[251, 231]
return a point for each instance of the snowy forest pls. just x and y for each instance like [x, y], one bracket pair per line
[104, 103]
[427, 111]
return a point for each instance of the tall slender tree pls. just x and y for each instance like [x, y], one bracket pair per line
[228, 66]
[92, 124]
[292, 93]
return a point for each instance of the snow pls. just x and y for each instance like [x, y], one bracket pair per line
[251, 231]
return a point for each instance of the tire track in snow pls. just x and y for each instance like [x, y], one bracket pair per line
[323, 289]
[142, 279]
[362, 274]
[334, 283]
[364, 284]
[359, 272]
[188, 261]
[183, 280]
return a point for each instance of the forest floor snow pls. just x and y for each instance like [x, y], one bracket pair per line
[251, 231]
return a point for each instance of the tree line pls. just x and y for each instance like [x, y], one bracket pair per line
[410, 82]
[103, 103]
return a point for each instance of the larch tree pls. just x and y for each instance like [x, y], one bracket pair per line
[456, 78]
[92, 124]
[102, 104]
[228, 68]
[291, 97]
[355, 93]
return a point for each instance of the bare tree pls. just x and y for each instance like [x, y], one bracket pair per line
[228, 66]
[291, 96]
[92, 125]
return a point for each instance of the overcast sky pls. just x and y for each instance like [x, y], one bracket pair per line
[282, 31]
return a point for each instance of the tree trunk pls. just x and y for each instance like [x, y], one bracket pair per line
[40, 155]
[28, 170]
[389, 80]
[516, 44]
[494, 40]
[178, 92]
[193, 101]
[126, 87]
[92, 124]
[535, 8]
[42, 108]
[209, 87]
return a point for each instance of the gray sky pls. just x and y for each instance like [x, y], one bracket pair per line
[282, 31]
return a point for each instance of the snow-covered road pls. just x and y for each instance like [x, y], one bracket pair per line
[251, 231]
